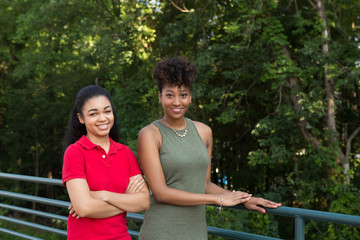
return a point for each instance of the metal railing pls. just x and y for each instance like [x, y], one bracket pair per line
[300, 215]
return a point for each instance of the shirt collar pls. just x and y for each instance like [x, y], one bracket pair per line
[86, 143]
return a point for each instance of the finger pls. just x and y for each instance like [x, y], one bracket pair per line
[267, 203]
[242, 200]
[134, 180]
[131, 183]
[140, 186]
[259, 209]
[136, 187]
[138, 182]
[243, 194]
[272, 205]
[242, 197]
[135, 177]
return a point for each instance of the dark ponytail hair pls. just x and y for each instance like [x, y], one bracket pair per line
[75, 129]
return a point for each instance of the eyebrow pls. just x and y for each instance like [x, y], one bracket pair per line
[183, 90]
[95, 109]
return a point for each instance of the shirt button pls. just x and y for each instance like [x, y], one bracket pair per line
[103, 156]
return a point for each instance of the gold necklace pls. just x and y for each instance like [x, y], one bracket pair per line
[178, 134]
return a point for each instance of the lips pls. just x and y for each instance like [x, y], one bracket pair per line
[176, 110]
[103, 126]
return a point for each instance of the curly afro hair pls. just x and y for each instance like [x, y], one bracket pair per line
[175, 71]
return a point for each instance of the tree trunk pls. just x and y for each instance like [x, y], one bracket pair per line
[295, 100]
[329, 87]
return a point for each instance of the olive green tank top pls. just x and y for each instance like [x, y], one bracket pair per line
[184, 162]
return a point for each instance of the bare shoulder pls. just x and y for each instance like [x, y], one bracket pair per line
[202, 127]
[151, 128]
[205, 132]
[150, 133]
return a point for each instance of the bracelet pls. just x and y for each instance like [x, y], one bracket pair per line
[219, 208]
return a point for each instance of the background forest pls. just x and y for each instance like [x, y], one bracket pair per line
[278, 82]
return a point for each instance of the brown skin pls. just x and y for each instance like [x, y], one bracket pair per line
[175, 102]
[98, 118]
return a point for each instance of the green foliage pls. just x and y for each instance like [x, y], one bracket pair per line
[244, 221]
[248, 54]
[29, 231]
[345, 204]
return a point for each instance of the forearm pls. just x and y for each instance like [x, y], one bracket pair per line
[95, 208]
[85, 205]
[212, 188]
[182, 198]
[129, 202]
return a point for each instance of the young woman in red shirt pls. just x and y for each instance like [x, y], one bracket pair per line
[102, 176]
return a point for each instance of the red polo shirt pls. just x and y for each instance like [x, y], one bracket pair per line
[110, 172]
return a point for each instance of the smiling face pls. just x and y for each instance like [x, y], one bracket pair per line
[98, 117]
[175, 101]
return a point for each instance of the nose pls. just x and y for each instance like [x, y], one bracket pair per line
[102, 117]
[176, 101]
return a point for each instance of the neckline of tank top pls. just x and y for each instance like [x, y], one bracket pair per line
[187, 124]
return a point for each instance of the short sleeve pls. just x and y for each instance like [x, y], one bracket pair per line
[74, 164]
[134, 167]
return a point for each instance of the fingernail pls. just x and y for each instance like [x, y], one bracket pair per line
[263, 211]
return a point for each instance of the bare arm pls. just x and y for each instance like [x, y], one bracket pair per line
[211, 188]
[84, 205]
[253, 203]
[148, 149]
[136, 198]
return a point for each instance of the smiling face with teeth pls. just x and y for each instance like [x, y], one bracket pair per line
[98, 117]
[175, 101]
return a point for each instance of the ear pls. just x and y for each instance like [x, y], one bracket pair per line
[190, 97]
[159, 95]
[81, 120]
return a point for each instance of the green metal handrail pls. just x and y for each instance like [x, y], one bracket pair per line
[300, 215]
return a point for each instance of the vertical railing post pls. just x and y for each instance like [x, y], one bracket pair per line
[299, 228]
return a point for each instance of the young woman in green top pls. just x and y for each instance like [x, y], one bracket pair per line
[175, 154]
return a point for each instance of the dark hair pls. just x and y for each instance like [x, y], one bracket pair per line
[174, 71]
[75, 129]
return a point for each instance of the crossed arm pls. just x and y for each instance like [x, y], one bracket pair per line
[104, 204]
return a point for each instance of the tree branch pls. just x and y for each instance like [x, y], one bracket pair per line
[349, 140]
[181, 10]
[312, 4]
[298, 107]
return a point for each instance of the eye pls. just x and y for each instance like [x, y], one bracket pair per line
[169, 95]
[108, 111]
[184, 95]
[92, 114]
